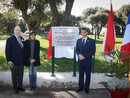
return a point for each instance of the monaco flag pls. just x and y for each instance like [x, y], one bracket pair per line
[109, 39]
[125, 48]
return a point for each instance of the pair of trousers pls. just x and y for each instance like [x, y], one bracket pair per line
[32, 75]
[17, 76]
[84, 72]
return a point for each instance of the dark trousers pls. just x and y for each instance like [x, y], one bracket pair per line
[85, 68]
[17, 76]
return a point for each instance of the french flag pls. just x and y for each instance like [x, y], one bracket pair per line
[125, 48]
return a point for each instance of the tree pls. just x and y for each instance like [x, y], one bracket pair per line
[5, 5]
[88, 15]
[69, 5]
[46, 22]
[22, 25]
[8, 20]
[102, 16]
[33, 11]
[98, 19]
[91, 20]
[121, 16]
[102, 11]
[87, 12]
[55, 12]
[74, 21]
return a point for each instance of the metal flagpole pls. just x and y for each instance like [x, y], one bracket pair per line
[53, 61]
[94, 54]
[74, 67]
[129, 75]
[110, 1]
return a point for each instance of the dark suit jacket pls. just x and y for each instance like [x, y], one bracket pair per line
[27, 52]
[88, 50]
[13, 51]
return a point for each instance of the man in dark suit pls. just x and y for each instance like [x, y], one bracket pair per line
[85, 49]
[14, 56]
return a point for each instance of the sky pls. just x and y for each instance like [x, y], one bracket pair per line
[80, 5]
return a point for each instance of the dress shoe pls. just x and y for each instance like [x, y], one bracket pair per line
[86, 91]
[79, 90]
[34, 88]
[22, 89]
[16, 91]
[31, 88]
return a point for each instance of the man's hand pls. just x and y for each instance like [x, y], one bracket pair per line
[81, 57]
[10, 64]
[32, 61]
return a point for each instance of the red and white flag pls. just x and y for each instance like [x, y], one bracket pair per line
[125, 48]
[49, 38]
[109, 40]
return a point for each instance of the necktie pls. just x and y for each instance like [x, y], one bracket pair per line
[83, 42]
[20, 42]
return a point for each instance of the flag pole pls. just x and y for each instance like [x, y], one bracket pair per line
[53, 61]
[129, 75]
[74, 67]
[128, 72]
[110, 2]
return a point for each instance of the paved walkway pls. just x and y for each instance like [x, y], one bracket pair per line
[55, 94]
[61, 80]
[63, 85]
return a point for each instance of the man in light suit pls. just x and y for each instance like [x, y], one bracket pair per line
[85, 49]
[14, 56]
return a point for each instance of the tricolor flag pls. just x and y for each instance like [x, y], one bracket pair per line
[125, 48]
[49, 38]
[109, 39]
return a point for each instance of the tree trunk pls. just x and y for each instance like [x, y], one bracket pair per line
[55, 13]
[25, 17]
[98, 33]
[99, 30]
[123, 29]
[69, 5]
[92, 28]
[56, 16]
[23, 6]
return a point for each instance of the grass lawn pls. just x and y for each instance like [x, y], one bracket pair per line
[63, 64]
[3, 37]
